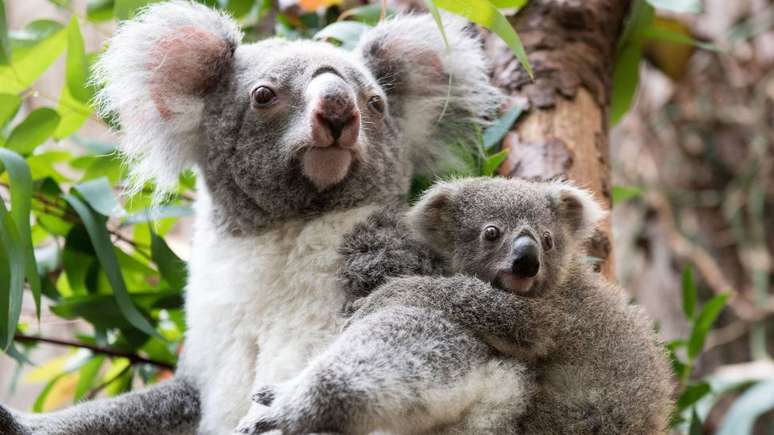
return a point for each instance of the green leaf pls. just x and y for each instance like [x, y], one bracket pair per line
[664, 34]
[36, 128]
[100, 196]
[125, 9]
[5, 43]
[73, 114]
[745, 410]
[692, 394]
[99, 10]
[172, 268]
[100, 239]
[703, 324]
[497, 131]
[40, 401]
[21, 203]
[103, 312]
[12, 269]
[9, 105]
[76, 66]
[35, 49]
[509, 4]
[485, 14]
[624, 193]
[626, 76]
[87, 376]
[347, 33]
[689, 292]
[366, 14]
[493, 162]
[679, 6]
[239, 8]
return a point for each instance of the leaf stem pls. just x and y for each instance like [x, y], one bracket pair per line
[132, 357]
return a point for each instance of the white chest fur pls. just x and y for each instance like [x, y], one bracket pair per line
[259, 308]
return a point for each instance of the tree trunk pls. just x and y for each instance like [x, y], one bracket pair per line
[564, 132]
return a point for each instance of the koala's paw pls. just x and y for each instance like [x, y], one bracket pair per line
[265, 395]
[259, 420]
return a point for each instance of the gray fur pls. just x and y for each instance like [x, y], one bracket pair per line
[596, 363]
[383, 247]
[169, 408]
[178, 79]
[406, 368]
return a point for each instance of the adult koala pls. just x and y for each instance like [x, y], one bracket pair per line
[294, 143]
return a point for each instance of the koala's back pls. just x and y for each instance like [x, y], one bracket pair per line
[601, 338]
[413, 363]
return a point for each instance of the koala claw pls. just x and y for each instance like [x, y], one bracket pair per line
[258, 420]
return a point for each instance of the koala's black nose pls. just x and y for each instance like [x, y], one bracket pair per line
[526, 261]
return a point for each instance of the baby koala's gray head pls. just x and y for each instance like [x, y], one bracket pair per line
[282, 129]
[519, 235]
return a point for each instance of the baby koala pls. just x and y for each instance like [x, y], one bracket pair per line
[525, 339]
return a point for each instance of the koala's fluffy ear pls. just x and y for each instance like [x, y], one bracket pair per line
[155, 71]
[435, 91]
[578, 209]
[431, 218]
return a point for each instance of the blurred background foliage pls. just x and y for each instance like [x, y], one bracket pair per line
[91, 280]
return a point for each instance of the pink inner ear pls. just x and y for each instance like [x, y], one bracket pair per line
[425, 59]
[185, 63]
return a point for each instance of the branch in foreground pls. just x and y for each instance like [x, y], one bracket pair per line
[133, 358]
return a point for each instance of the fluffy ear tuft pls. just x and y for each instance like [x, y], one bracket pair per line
[578, 209]
[437, 92]
[431, 217]
[154, 74]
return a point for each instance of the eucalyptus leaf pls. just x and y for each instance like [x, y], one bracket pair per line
[21, 203]
[172, 268]
[347, 33]
[76, 66]
[46, 42]
[485, 14]
[100, 239]
[704, 322]
[5, 42]
[12, 272]
[36, 128]
[9, 105]
[497, 131]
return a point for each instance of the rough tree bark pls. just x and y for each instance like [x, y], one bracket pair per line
[564, 131]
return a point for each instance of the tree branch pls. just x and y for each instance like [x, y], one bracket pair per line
[133, 358]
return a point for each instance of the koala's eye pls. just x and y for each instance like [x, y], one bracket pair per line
[491, 233]
[376, 104]
[548, 241]
[262, 96]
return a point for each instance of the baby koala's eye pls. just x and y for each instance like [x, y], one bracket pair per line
[376, 104]
[491, 233]
[262, 96]
[548, 241]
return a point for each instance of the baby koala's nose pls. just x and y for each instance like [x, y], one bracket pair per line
[526, 261]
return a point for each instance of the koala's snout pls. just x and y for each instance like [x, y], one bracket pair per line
[526, 257]
[335, 116]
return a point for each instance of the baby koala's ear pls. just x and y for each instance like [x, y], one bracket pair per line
[431, 218]
[578, 209]
[155, 72]
[435, 91]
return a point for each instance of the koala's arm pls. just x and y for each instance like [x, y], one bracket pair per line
[169, 408]
[380, 248]
[520, 326]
